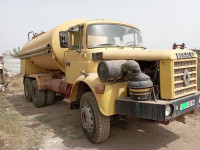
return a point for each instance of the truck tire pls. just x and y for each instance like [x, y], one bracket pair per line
[50, 97]
[95, 126]
[38, 96]
[28, 89]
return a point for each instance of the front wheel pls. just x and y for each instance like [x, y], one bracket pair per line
[95, 125]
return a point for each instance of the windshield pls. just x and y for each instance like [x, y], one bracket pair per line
[110, 35]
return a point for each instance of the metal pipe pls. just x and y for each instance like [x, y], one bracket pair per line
[36, 54]
[35, 50]
[29, 34]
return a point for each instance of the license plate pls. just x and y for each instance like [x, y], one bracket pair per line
[187, 104]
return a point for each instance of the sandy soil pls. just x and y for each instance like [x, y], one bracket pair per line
[58, 128]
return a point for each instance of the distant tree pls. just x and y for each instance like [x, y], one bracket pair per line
[198, 52]
[15, 53]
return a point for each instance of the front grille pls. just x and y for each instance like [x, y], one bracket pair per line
[180, 89]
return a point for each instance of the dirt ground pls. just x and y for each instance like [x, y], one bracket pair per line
[22, 127]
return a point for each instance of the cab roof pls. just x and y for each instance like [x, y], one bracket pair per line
[88, 22]
[98, 21]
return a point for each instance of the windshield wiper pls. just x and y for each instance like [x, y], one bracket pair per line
[105, 44]
[111, 45]
[117, 46]
[136, 46]
[140, 47]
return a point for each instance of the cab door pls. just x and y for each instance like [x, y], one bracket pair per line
[75, 58]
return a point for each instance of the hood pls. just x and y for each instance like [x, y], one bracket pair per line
[147, 55]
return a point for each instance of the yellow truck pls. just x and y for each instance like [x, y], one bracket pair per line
[103, 69]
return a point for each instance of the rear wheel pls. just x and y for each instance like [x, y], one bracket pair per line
[38, 96]
[50, 97]
[95, 125]
[28, 89]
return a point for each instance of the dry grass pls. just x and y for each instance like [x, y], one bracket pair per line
[16, 84]
[10, 121]
[197, 112]
[43, 119]
[10, 124]
[13, 131]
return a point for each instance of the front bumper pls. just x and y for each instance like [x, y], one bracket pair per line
[155, 110]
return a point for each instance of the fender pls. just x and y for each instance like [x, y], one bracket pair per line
[106, 101]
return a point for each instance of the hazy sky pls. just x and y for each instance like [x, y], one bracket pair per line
[162, 22]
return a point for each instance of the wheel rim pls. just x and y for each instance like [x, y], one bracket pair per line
[87, 118]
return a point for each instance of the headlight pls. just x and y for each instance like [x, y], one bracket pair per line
[168, 110]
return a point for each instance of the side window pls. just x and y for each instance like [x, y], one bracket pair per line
[75, 40]
[63, 39]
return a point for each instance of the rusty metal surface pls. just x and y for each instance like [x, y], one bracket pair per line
[60, 86]
[43, 80]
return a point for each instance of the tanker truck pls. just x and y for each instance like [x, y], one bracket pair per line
[103, 69]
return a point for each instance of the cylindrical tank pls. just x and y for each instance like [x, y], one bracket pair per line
[54, 60]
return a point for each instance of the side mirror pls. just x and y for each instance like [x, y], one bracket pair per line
[74, 29]
[63, 39]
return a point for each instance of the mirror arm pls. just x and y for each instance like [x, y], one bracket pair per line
[81, 34]
[80, 45]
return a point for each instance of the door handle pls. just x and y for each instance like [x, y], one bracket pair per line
[67, 63]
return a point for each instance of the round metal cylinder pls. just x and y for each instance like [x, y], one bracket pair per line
[110, 70]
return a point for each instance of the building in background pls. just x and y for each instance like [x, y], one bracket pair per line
[11, 63]
[1, 60]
